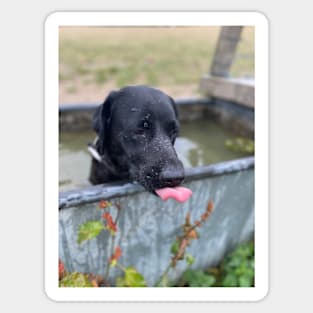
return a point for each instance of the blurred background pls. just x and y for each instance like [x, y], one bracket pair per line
[95, 60]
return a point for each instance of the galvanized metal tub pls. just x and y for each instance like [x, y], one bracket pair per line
[148, 226]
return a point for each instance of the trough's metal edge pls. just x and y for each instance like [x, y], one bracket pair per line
[87, 107]
[107, 191]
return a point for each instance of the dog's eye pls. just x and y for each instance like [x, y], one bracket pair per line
[139, 131]
[142, 128]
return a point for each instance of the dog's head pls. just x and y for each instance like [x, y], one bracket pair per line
[137, 127]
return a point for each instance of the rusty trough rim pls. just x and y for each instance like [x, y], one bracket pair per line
[96, 193]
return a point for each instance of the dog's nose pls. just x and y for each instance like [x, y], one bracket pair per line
[171, 177]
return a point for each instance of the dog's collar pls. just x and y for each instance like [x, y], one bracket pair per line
[100, 158]
[94, 152]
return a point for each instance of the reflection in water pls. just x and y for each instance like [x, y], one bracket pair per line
[200, 142]
[188, 152]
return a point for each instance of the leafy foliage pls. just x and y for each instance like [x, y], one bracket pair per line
[189, 233]
[238, 267]
[236, 270]
[75, 279]
[175, 247]
[197, 278]
[190, 259]
[181, 243]
[131, 279]
[240, 144]
[89, 230]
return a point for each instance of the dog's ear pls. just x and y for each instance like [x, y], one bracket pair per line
[174, 106]
[101, 121]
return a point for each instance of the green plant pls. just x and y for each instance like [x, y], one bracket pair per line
[240, 144]
[238, 267]
[75, 279]
[197, 278]
[179, 246]
[131, 277]
[236, 270]
[90, 230]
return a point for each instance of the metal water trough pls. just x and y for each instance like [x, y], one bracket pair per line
[147, 226]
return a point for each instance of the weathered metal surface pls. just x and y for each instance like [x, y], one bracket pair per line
[147, 227]
[107, 191]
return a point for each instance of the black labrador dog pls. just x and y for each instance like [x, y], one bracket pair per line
[136, 129]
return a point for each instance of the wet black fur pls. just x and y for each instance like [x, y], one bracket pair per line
[137, 127]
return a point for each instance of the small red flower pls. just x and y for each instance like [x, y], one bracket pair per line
[198, 223]
[204, 216]
[106, 215]
[104, 204]
[61, 269]
[192, 234]
[117, 254]
[110, 224]
[210, 207]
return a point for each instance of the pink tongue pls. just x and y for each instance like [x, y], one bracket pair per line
[180, 194]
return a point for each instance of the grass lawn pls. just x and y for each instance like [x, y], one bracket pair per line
[95, 60]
